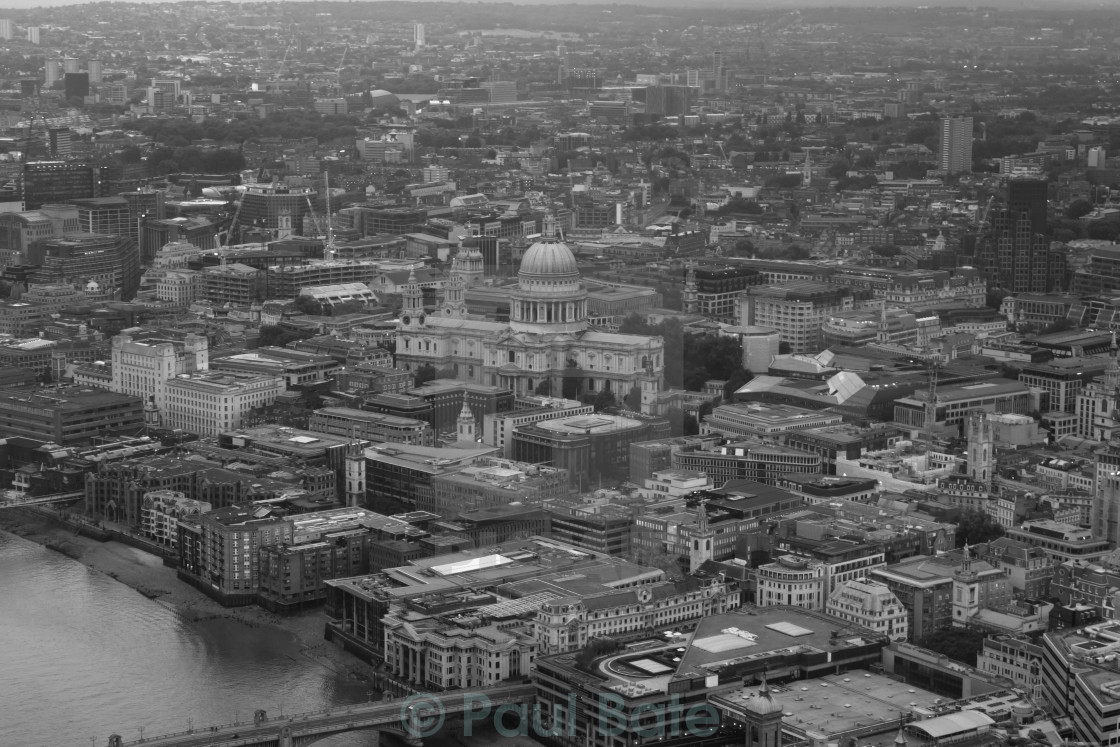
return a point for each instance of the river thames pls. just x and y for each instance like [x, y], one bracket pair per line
[84, 656]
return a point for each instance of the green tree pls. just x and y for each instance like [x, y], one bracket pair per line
[423, 374]
[633, 400]
[735, 381]
[975, 526]
[1078, 208]
[544, 388]
[308, 305]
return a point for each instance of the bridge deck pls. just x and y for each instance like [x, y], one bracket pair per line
[334, 720]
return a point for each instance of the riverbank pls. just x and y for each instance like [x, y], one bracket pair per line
[147, 575]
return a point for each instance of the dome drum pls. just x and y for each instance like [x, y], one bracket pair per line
[549, 297]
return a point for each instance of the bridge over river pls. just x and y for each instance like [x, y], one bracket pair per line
[305, 728]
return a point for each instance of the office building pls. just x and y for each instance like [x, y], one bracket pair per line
[418, 35]
[872, 605]
[745, 646]
[103, 265]
[109, 215]
[33, 34]
[143, 367]
[52, 72]
[747, 461]
[592, 448]
[209, 403]
[94, 69]
[346, 421]
[498, 427]
[233, 284]
[76, 85]
[492, 482]
[69, 416]
[797, 310]
[49, 182]
[60, 142]
[1081, 679]
[956, 145]
[669, 101]
[6, 28]
[397, 474]
[1014, 253]
[298, 368]
[278, 209]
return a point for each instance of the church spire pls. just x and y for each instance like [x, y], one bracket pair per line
[466, 426]
[1112, 373]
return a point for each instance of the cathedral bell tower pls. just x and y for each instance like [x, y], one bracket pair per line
[691, 296]
[454, 302]
[412, 301]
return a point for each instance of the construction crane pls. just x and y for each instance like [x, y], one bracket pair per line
[982, 215]
[229, 232]
[338, 73]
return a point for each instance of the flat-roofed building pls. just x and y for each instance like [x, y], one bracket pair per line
[1063, 378]
[600, 527]
[70, 415]
[747, 461]
[1081, 679]
[1060, 541]
[209, 403]
[798, 309]
[870, 604]
[219, 550]
[767, 422]
[924, 586]
[953, 403]
[816, 488]
[161, 513]
[401, 474]
[21, 319]
[738, 508]
[234, 284]
[374, 426]
[744, 646]
[590, 448]
[335, 295]
[498, 428]
[493, 482]
[295, 367]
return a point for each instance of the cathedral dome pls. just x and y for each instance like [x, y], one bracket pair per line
[549, 258]
[548, 297]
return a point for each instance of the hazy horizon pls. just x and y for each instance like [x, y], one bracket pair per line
[725, 4]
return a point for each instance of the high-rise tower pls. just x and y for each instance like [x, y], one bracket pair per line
[956, 145]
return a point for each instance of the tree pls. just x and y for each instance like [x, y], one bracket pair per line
[308, 305]
[633, 400]
[544, 388]
[425, 373]
[271, 335]
[975, 526]
[604, 400]
[959, 644]
[595, 648]
[1104, 230]
[1079, 208]
[735, 381]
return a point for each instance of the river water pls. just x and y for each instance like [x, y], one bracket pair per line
[82, 656]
